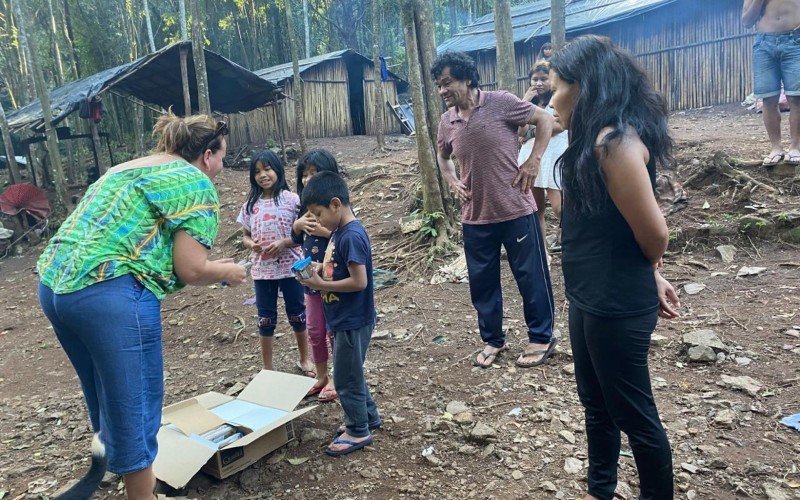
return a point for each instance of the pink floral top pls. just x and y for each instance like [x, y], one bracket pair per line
[271, 222]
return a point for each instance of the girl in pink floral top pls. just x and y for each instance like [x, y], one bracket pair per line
[267, 217]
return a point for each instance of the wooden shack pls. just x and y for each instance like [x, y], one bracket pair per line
[338, 89]
[697, 53]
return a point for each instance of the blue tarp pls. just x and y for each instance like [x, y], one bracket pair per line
[533, 20]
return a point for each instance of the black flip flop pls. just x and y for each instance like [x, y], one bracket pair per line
[546, 353]
[487, 355]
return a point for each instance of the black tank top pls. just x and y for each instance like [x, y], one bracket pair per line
[605, 271]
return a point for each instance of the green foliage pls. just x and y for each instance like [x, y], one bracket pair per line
[429, 222]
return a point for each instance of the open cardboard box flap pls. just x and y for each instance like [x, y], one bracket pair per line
[180, 457]
[279, 390]
[191, 417]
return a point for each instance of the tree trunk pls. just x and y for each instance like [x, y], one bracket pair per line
[56, 50]
[76, 62]
[380, 105]
[25, 52]
[307, 28]
[198, 53]
[558, 34]
[426, 40]
[297, 83]
[149, 26]
[54, 155]
[182, 14]
[503, 32]
[187, 97]
[13, 168]
[432, 201]
[254, 35]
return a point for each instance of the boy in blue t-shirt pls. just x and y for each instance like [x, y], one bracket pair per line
[349, 302]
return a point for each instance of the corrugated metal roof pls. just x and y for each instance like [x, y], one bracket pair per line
[281, 72]
[533, 19]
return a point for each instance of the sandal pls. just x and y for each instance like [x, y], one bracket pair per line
[327, 394]
[307, 373]
[491, 356]
[772, 160]
[352, 446]
[793, 159]
[372, 426]
[314, 390]
[544, 353]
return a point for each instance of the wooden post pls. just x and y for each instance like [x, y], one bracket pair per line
[187, 98]
[13, 168]
[97, 146]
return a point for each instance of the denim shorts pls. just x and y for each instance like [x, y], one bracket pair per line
[111, 333]
[776, 59]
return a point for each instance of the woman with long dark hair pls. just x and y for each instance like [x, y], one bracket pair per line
[614, 237]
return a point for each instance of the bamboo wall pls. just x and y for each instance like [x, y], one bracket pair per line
[390, 123]
[327, 108]
[696, 53]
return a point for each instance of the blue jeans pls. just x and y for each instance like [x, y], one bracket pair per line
[349, 353]
[267, 304]
[111, 333]
[526, 255]
[776, 59]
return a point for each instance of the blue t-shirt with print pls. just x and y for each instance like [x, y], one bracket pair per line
[348, 310]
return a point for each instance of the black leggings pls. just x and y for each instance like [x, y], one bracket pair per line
[614, 387]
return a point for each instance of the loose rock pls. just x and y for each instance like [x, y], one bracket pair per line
[705, 338]
[456, 407]
[743, 383]
[573, 465]
[701, 354]
[482, 432]
[726, 253]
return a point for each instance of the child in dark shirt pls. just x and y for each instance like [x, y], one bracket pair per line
[348, 298]
[314, 239]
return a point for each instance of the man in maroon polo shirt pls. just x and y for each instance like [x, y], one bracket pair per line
[480, 130]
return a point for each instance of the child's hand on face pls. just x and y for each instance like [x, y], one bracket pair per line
[307, 223]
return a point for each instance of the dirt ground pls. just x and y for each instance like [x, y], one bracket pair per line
[727, 442]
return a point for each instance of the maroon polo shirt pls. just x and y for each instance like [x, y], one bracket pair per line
[486, 148]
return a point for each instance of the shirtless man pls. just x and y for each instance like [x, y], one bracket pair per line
[776, 59]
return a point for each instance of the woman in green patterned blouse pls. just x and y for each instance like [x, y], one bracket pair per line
[141, 231]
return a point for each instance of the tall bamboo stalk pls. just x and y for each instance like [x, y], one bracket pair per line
[198, 53]
[297, 83]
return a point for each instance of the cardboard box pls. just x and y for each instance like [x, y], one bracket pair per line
[263, 412]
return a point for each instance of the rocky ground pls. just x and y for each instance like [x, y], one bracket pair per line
[724, 373]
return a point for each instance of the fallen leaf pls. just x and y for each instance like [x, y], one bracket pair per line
[297, 461]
